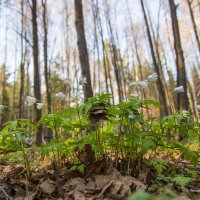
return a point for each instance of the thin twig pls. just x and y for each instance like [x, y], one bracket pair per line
[4, 192]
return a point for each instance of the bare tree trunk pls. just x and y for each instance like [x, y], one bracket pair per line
[189, 2]
[96, 47]
[67, 50]
[121, 68]
[196, 83]
[45, 54]
[37, 89]
[3, 74]
[113, 49]
[82, 47]
[192, 100]
[156, 39]
[160, 86]
[21, 94]
[105, 57]
[182, 98]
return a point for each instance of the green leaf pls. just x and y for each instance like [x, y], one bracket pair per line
[151, 102]
[181, 180]
[140, 195]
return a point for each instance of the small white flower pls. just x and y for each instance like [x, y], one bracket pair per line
[135, 95]
[132, 116]
[143, 84]
[125, 100]
[179, 89]
[82, 81]
[60, 96]
[73, 105]
[152, 77]
[133, 84]
[198, 107]
[31, 100]
[39, 106]
[140, 84]
[1, 108]
[185, 113]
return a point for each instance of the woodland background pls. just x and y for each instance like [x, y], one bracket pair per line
[121, 42]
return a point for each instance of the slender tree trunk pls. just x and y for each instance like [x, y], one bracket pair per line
[46, 71]
[192, 100]
[113, 49]
[45, 52]
[182, 98]
[189, 2]
[82, 47]
[105, 59]
[156, 39]
[66, 31]
[121, 68]
[3, 75]
[21, 94]
[37, 89]
[160, 86]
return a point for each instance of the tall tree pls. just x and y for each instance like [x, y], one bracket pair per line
[182, 98]
[82, 47]
[160, 85]
[21, 95]
[37, 88]
[3, 71]
[45, 53]
[113, 51]
[189, 2]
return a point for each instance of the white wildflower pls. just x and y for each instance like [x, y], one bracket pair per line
[31, 100]
[132, 116]
[82, 81]
[133, 84]
[60, 96]
[134, 95]
[39, 106]
[140, 84]
[198, 107]
[185, 113]
[179, 89]
[125, 100]
[73, 105]
[152, 77]
[143, 84]
[1, 108]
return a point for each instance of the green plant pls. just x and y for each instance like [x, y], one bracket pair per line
[12, 138]
[181, 180]
[158, 164]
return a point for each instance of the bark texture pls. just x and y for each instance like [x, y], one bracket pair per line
[82, 47]
[160, 85]
[37, 88]
[182, 98]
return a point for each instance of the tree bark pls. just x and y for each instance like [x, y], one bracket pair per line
[160, 85]
[45, 54]
[182, 98]
[193, 23]
[37, 89]
[21, 95]
[82, 47]
[113, 51]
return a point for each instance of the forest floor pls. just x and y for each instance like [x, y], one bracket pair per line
[101, 180]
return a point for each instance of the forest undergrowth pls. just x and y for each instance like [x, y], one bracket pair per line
[102, 151]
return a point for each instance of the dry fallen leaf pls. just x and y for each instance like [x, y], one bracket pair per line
[48, 186]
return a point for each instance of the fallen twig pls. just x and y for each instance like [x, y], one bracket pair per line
[4, 192]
